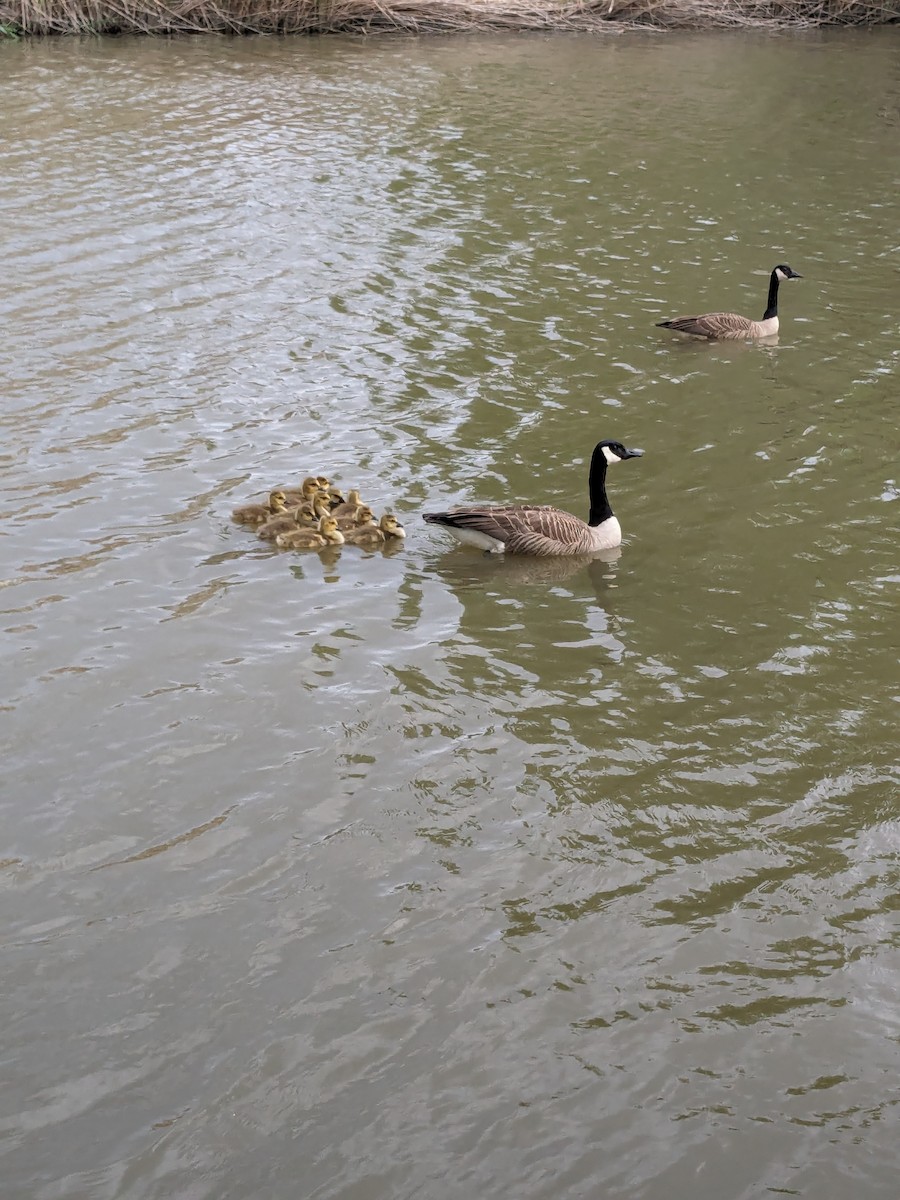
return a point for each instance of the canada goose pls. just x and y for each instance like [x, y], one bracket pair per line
[327, 534]
[731, 325]
[355, 518]
[256, 514]
[540, 528]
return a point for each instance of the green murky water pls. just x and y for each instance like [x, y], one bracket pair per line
[426, 875]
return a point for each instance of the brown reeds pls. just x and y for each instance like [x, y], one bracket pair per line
[426, 16]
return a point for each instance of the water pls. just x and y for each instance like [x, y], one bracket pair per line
[426, 875]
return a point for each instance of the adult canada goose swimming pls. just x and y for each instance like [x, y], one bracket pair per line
[540, 528]
[256, 514]
[731, 325]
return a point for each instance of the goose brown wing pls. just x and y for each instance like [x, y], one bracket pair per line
[711, 324]
[523, 528]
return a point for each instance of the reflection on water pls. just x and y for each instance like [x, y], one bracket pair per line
[425, 871]
[463, 569]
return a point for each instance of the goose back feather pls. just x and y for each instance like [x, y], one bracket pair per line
[722, 326]
[537, 529]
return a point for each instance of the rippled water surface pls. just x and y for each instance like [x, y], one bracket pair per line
[381, 876]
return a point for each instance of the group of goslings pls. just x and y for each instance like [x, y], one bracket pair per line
[317, 514]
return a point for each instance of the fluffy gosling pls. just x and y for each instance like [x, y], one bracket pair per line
[327, 534]
[256, 514]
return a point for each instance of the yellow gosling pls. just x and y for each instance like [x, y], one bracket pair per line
[367, 536]
[326, 534]
[256, 514]
[306, 518]
[328, 528]
[280, 523]
[356, 519]
[374, 535]
[317, 507]
[303, 494]
[348, 506]
[391, 527]
[300, 539]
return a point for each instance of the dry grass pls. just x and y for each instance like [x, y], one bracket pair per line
[426, 16]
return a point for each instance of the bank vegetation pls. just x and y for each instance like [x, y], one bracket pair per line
[39, 17]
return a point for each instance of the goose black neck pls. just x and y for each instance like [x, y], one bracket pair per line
[772, 306]
[600, 510]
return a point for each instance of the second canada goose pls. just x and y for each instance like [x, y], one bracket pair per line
[727, 325]
[542, 529]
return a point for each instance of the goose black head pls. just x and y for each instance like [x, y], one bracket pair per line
[783, 271]
[614, 451]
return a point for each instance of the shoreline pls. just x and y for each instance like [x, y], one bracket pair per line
[37, 18]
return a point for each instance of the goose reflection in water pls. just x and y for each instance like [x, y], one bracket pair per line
[528, 628]
[464, 570]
